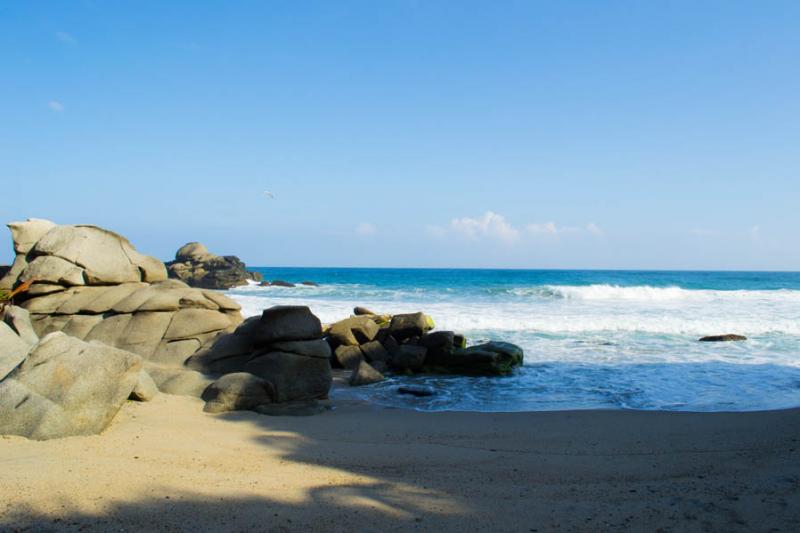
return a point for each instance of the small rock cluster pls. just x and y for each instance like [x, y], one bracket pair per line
[282, 283]
[197, 267]
[370, 344]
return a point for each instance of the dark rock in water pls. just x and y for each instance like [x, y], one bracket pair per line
[440, 345]
[236, 392]
[353, 331]
[197, 267]
[374, 351]
[309, 283]
[408, 357]
[281, 283]
[287, 323]
[364, 374]
[264, 284]
[362, 311]
[304, 408]
[459, 341]
[390, 344]
[489, 359]
[723, 338]
[349, 356]
[380, 366]
[409, 325]
[255, 276]
[419, 392]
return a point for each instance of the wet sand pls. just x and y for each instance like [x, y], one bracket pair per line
[167, 466]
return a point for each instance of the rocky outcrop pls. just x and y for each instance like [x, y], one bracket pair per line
[730, 337]
[283, 346]
[91, 283]
[64, 387]
[197, 267]
[368, 344]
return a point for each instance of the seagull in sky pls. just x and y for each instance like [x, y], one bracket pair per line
[269, 195]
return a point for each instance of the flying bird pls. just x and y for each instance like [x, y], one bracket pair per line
[269, 195]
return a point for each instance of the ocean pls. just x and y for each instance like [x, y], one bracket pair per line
[592, 339]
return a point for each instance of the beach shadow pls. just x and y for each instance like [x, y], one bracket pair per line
[399, 470]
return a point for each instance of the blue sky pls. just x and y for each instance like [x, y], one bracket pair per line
[412, 133]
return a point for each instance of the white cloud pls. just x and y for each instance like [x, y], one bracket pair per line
[494, 226]
[490, 225]
[755, 233]
[548, 228]
[595, 230]
[65, 37]
[56, 106]
[365, 229]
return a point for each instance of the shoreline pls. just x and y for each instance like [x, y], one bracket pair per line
[364, 467]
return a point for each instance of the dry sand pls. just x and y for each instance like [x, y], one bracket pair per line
[165, 465]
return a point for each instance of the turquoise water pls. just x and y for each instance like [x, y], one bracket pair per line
[592, 339]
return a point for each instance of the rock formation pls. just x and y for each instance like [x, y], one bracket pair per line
[197, 267]
[283, 346]
[92, 284]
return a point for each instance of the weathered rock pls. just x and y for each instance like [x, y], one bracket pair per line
[313, 348]
[20, 321]
[730, 337]
[287, 323]
[281, 283]
[353, 331]
[293, 377]
[364, 374]
[145, 389]
[408, 357]
[180, 382]
[236, 392]
[380, 366]
[66, 387]
[489, 359]
[409, 325]
[13, 350]
[197, 267]
[358, 311]
[374, 351]
[349, 356]
[92, 284]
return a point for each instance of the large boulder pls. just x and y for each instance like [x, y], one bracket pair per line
[406, 326]
[288, 323]
[283, 346]
[92, 284]
[197, 267]
[66, 387]
[20, 321]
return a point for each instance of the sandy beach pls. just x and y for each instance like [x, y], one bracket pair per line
[167, 466]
